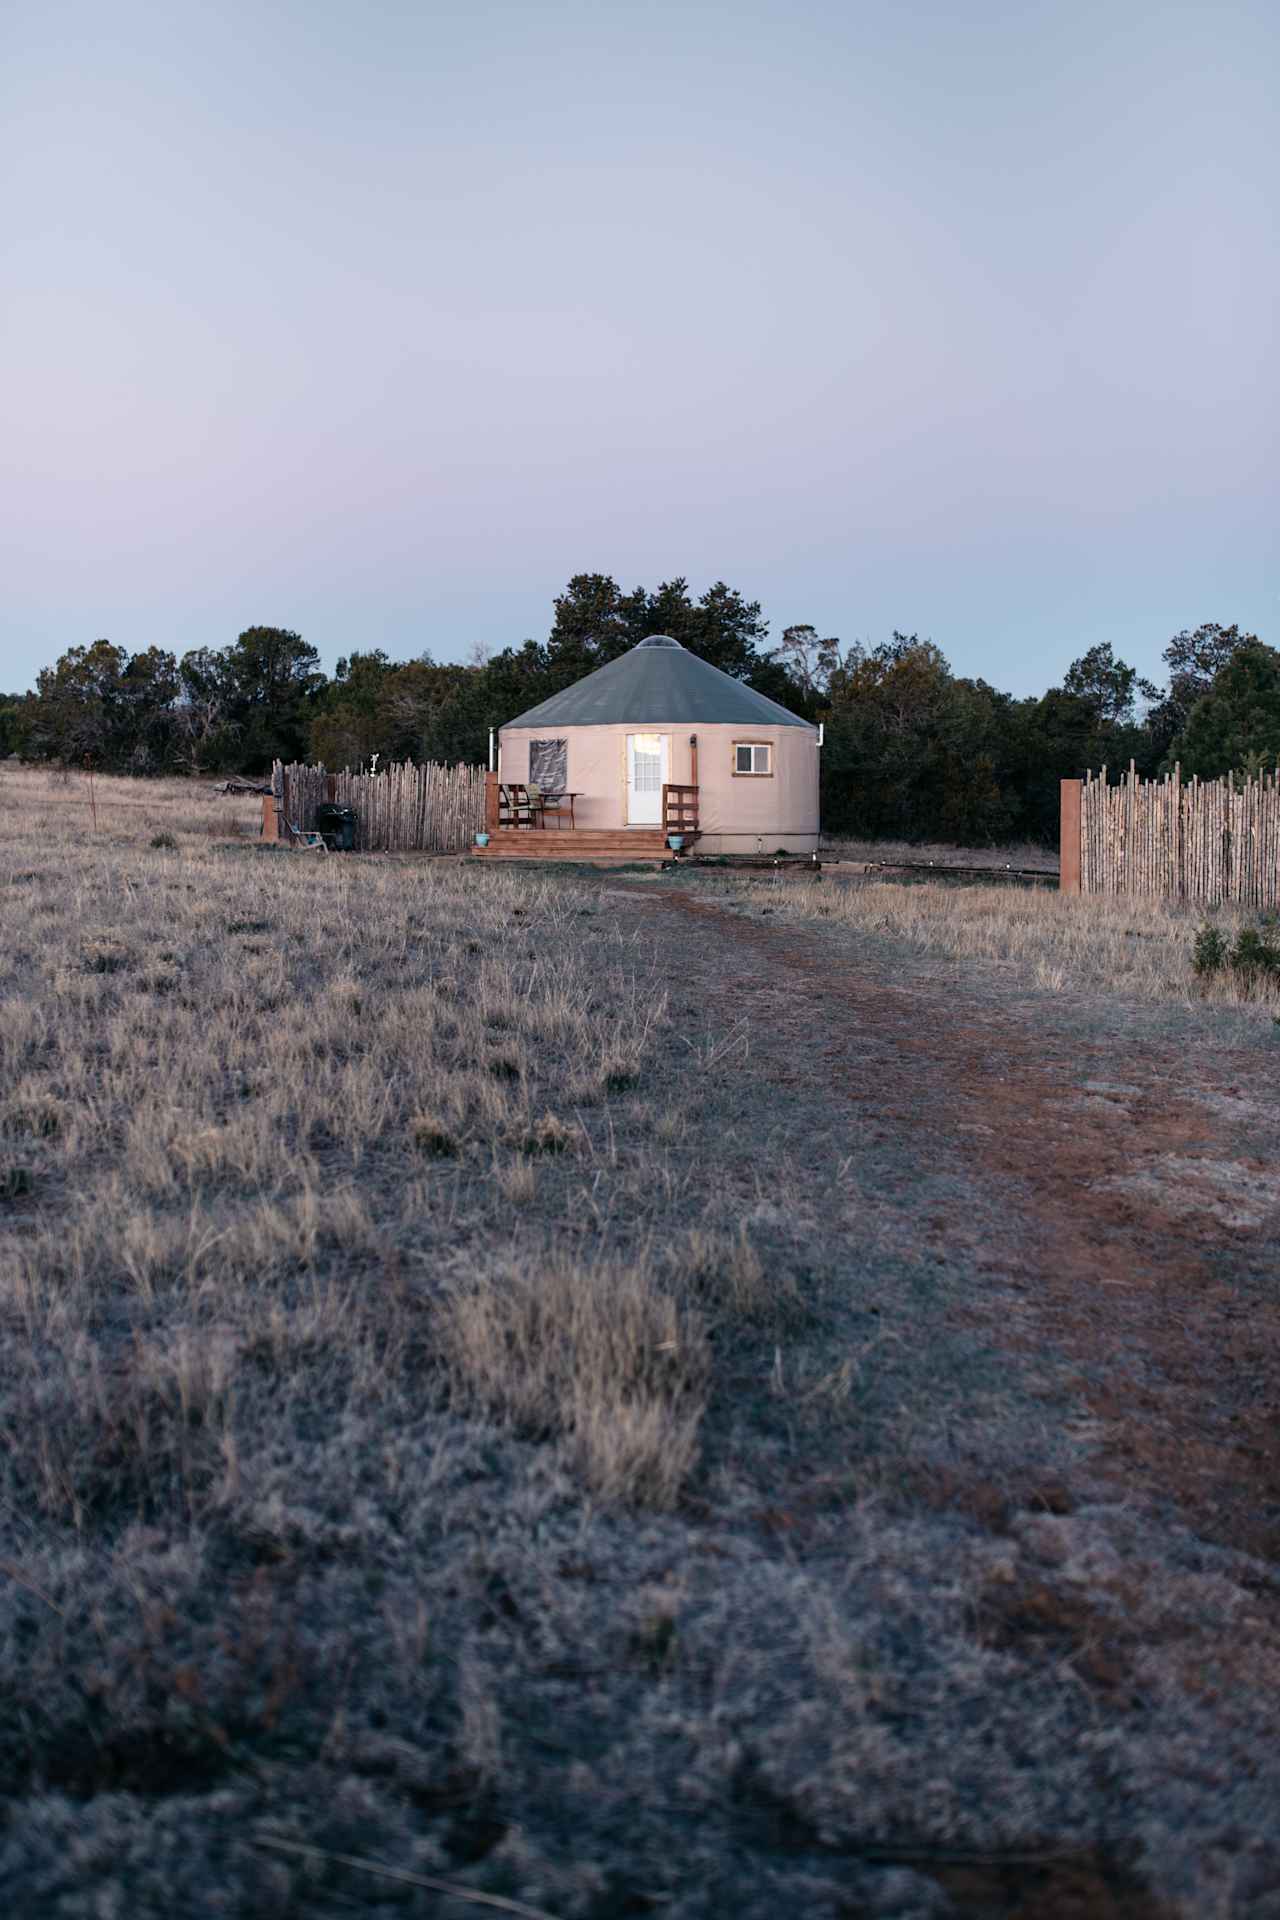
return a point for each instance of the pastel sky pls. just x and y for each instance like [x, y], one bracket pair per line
[381, 320]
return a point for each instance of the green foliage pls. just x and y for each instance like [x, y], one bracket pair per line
[15, 723]
[411, 710]
[1236, 723]
[272, 677]
[1194, 658]
[1209, 955]
[595, 622]
[914, 752]
[1106, 686]
[100, 706]
[147, 713]
[1254, 956]
[911, 751]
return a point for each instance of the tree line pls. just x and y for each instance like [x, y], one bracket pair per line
[912, 750]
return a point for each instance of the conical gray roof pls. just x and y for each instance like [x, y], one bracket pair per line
[658, 683]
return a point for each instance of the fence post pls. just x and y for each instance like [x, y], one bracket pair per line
[490, 802]
[270, 827]
[1069, 838]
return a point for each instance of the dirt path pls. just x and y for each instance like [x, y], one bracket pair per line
[1127, 1221]
[1133, 1220]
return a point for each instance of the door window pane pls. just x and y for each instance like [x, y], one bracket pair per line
[646, 759]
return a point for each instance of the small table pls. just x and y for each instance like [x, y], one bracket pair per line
[555, 803]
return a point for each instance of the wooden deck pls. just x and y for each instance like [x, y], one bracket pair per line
[518, 830]
[608, 845]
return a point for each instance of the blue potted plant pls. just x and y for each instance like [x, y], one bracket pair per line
[482, 838]
[675, 841]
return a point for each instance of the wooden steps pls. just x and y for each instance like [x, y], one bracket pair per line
[611, 844]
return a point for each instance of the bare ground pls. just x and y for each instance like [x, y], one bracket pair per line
[1137, 1189]
[1123, 1202]
[1017, 853]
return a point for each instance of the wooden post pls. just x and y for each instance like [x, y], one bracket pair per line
[270, 825]
[491, 802]
[331, 786]
[1069, 838]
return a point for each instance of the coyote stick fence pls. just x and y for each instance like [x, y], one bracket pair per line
[404, 808]
[1200, 840]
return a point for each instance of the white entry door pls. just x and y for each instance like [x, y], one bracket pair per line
[646, 772]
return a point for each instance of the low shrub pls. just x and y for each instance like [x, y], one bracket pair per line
[1253, 957]
[1209, 955]
[1254, 953]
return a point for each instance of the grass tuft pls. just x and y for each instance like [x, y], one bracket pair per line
[598, 1355]
[432, 1135]
[727, 1279]
[550, 1134]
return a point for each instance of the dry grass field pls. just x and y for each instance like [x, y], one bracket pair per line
[547, 1394]
[1139, 948]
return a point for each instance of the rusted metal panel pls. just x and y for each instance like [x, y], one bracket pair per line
[1069, 838]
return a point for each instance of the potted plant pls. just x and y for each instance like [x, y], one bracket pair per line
[482, 838]
[675, 841]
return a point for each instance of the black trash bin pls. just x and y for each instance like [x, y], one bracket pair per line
[338, 825]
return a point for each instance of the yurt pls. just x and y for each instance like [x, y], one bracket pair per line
[659, 721]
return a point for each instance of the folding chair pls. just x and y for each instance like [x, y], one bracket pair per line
[305, 842]
[537, 805]
[519, 805]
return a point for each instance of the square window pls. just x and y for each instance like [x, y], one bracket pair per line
[754, 756]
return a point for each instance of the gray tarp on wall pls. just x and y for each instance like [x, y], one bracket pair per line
[548, 765]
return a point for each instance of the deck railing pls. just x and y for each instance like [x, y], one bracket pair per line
[679, 809]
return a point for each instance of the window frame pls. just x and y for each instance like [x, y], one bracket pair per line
[753, 772]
